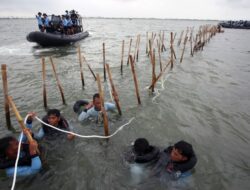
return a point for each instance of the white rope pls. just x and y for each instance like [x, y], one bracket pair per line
[17, 158]
[87, 136]
[157, 91]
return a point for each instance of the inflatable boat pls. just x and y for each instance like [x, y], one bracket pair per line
[56, 38]
[235, 24]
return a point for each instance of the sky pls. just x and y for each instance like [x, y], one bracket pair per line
[172, 9]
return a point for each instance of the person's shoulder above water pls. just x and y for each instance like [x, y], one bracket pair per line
[29, 161]
[177, 160]
[142, 152]
[91, 109]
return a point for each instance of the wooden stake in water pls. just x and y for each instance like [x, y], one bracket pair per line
[179, 41]
[114, 93]
[57, 81]
[80, 62]
[135, 79]
[92, 72]
[159, 53]
[104, 61]
[138, 48]
[129, 50]
[191, 43]
[158, 77]
[163, 48]
[136, 44]
[153, 71]
[147, 43]
[19, 118]
[185, 41]
[122, 56]
[171, 48]
[44, 83]
[104, 114]
[5, 92]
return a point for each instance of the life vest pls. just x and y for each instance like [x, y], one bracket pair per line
[62, 124]
[151, 155]
[24, 159]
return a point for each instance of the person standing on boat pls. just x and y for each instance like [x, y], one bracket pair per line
[69, 25]
[40, 21]
[64, 24]
[46, 22]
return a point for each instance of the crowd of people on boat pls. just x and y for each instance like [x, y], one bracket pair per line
[176, 161]
[68, 23]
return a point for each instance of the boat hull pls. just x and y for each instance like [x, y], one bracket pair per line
[51, 39]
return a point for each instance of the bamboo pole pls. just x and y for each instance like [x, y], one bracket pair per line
[159, 54]
[158, 77]
[171, 48]
[138, 48]
[153, 71]
[135, 79]
[80, 62]
[122, 57]
[179, 41]
[57, 81]
[44, 83]
[104, 61]
[185, 41]
[174, 36]
[114, 93]
[129, 50]
[18, 117]
[136, 44]
[5, 92]
[92, 72]
[163, 48]
[105, 117]
[191, 43]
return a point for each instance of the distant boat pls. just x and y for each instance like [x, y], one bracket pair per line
[235, 24]
[55, 35]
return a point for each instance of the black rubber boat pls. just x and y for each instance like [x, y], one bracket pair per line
[55, 39]
[235, 24]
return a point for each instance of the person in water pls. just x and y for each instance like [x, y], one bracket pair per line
[142, 152]
[53, 118]
[29, 160]
[92, 109]
[177, 160]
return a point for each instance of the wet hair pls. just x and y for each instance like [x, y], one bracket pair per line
[185, 148]
[141, 146]
[55, 112]
[96, 95]
[4, 144]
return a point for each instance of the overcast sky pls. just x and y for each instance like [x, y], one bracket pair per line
[186, 9]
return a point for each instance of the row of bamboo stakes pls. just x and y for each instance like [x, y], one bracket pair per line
[202, 37]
